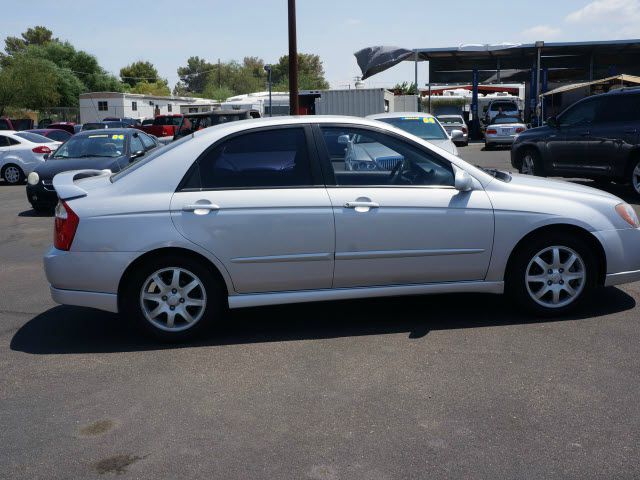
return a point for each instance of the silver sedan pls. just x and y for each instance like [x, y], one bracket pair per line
[503, 131]
[264, 212]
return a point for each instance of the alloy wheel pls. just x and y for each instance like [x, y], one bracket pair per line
[635, 178]
[555, 276]
[528, 165]
[12, 174]
[173, 299]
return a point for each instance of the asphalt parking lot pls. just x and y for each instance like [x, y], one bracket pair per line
[420, 387]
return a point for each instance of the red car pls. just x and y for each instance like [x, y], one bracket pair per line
[53, 133]
[163, 125]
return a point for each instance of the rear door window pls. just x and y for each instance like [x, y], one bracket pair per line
[265, 159]
[583, 113]
[136, 144]
[619, 108]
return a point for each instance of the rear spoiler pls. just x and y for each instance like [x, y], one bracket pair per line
[65, 186]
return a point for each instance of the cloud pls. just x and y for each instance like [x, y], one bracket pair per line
[540, 32]
[353, 21]
[617, 12]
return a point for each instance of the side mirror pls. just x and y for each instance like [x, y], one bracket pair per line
[457, 135]
[46, 155]
[343, 139]
[463, 181]
[135, 155]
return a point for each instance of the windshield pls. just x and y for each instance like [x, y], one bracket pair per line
[167, 121]
[424, 127]
[133, 166]
[450, 119]
[33, 137]
[96, 145]
[499, 120]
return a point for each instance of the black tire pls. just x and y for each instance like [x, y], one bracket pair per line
[487, 146]
[519, 266]
[215, 298]
[535, 167]
[7, 176]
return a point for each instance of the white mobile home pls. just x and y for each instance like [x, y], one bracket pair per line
[96, 106]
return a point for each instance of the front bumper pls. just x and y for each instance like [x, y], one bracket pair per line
[41, 196]
[622, 251]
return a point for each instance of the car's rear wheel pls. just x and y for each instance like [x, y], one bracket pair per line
[173, 298]
[12, 174]
[530, 163]
[552, 274]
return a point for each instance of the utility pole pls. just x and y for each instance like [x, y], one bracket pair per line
[267, 69]
[293, 60]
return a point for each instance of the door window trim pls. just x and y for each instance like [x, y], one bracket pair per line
[327, 169]
[314, 167]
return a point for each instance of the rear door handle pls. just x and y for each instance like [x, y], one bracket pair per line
[203, 207]
[361, 205]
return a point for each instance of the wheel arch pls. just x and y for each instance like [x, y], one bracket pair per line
[519, 151]
[592, 241]
[165, 251]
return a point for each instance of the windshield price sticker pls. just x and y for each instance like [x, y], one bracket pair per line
[424, 119]
[100, 136]
[117, 137]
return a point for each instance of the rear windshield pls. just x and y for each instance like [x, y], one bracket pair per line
[33, 137]
[133, 166]
[450, 119]
[167, 121]
[503, 106]
[498, 120]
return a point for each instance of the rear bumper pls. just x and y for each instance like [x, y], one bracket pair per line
[507, 140]
[101, 301]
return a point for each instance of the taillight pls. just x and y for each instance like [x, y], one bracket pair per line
[41, 149]
[66, 224]
[492, 131]
[519, 130]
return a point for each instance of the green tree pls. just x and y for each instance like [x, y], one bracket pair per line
[404, 88]
[137, 72]
[194, 76]
[33, 36]
[20, 88]
[310, 73]
[159, 87]
[217, 93]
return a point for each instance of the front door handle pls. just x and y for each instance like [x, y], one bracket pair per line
[358, 204]
[200, 208]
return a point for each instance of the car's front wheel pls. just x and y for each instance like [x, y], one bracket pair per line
[173, 298]
[12, 174]
[552, 274]
[635, 176]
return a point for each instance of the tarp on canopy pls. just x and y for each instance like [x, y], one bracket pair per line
[372, 60]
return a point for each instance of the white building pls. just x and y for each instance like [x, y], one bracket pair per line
[96, 106]
[259, 101]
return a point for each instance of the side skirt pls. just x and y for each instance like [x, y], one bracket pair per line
[278, 298]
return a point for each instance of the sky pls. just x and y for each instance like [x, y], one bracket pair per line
[167, 32]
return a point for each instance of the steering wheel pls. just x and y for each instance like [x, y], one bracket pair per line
[396, 172]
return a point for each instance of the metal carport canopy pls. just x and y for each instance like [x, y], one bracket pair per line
[556, 55]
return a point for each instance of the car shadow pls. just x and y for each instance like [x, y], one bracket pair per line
[70, 330]
[32, 213]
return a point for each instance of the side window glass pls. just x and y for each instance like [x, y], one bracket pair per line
[136, 144]
[147, 141]
[270, 158]
[4, 141]
[619, 108]
[582, 114]
[370, 158]
[12, 141]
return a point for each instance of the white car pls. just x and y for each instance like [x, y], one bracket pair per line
[503, 131]
[424, 126]
[263, 212]
[21, 153]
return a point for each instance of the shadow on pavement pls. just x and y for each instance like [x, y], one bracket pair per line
[33, 213]
[66, 329]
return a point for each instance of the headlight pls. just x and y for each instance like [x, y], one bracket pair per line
[628, 214]
[33, 178]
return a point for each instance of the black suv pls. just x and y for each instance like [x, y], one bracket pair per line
[597, 138]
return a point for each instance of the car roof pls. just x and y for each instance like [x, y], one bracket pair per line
[376, 116]
[110, 131]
